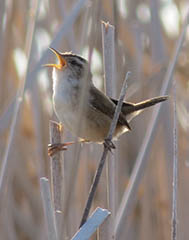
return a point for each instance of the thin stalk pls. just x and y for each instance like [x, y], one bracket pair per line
[108, 36]
[48, 208]
[56, 174]
[175, 171]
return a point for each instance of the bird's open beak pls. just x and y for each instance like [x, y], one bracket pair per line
[61, 60]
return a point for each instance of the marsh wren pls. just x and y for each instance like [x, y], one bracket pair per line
[91, 119]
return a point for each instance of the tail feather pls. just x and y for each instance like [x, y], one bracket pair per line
[131, 110]
[147, 103]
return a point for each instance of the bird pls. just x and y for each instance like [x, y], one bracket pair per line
[82, 108]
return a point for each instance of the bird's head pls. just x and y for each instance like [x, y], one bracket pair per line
[69, 65]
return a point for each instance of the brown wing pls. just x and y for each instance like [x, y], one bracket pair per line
[104, 104]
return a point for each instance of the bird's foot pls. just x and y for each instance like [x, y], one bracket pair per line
[109, 144]
[54, 148]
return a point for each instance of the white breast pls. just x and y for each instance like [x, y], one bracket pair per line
[63, 93]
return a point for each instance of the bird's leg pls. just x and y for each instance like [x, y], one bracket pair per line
[57, 147]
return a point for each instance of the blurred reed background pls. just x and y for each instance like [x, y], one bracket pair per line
[146, 33]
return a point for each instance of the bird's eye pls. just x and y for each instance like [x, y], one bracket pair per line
[73, 62]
